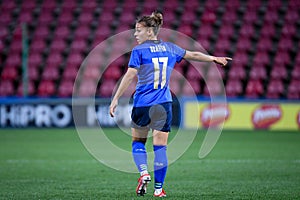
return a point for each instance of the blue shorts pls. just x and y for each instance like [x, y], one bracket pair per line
[157, 117]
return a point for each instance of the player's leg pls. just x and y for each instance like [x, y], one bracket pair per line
[160, 139]
[139, 153]
[139, 138]
[161, 116]
[140, 129]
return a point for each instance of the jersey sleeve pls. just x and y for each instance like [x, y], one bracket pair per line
[135, 59]
[179, 52]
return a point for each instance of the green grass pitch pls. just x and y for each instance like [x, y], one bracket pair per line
[53, 164]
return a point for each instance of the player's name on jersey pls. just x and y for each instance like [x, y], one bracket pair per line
[158, 48]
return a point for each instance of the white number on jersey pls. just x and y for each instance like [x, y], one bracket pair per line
[156, 61]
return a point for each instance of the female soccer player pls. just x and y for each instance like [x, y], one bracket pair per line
[152, 61]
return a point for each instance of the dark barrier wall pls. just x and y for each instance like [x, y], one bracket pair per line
[40, 112]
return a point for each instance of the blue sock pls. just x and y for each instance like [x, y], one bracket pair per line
[139, 155]
[160, 165]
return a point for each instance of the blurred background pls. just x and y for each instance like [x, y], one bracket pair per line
[262, 37]
[44, 42]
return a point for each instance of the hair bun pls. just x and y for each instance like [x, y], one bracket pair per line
[158, 17]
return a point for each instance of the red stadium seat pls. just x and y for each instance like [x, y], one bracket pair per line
[273, 5]
[16, 46]
[85, 18]
[193, 73]
[250, 16]
[74, 60]
[234, 88]
[186, 29]
[106, 18]
[191, 88]
[232, 5]
[62, 32]
[226, 32]
[82, 32]
[6, 88]
[91, 73]
[45, 18]
[296, 73]
[107, 87]
[258, 72]
[292, 16]
[264, 44]
[205, 31]
[33, 73]
[48, 6]
[288, 30]
[268, 30]
[188, 18]
[275, 89]
[65, 88]
[65, 19]
[30, 90]
[41, 32]
[112, 72]
[261, 59]
[254, 88]
[58, 45]
[177, 74]
[50, 73]
[87, 88]
[46, 88]
[237, 72]
[5, 18]
[215, 73]
[70, 73]
[3, 33]
[247, 30]
[243, 44]
[279, 72]
[175, 87]
[9, 73]
[13, 60]
[37, 45]
[253, 5]
[212, 4]
[127, 17]
[78, 45]
[213, 88]
[285, 44]
[282, 58]
[222, 46]
[54, 59]
[25, 17]
[90, 6]
[240, 59]
[229, 17]
[28, 6]
[294, 89]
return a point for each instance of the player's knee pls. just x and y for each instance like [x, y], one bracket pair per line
[138, 139]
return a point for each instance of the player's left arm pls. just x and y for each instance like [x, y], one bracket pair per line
[201, 57]
[125, 82]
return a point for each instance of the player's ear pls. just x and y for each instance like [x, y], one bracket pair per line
[149, 31]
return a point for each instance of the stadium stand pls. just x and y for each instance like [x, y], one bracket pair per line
[261, 36]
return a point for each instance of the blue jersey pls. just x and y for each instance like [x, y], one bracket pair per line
[154, 61]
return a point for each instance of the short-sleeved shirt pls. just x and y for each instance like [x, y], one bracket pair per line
[154, 60]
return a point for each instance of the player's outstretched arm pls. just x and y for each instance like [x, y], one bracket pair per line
[127, 79]
[201, 57]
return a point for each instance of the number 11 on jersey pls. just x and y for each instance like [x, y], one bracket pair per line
[157, 74]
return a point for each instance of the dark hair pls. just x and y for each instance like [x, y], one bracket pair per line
[155, 20]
